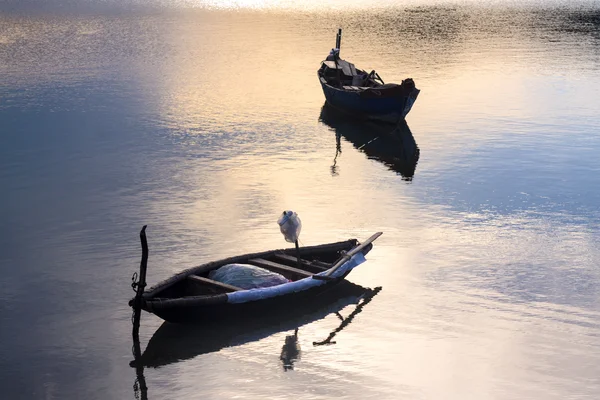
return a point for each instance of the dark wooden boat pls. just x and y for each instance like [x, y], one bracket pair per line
[392, 145]
[191, 296]
[172, 343]
[357, 92]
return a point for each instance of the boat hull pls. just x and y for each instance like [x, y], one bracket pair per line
[388, 104]
[392, 145]
[187, 308]
[219, 309]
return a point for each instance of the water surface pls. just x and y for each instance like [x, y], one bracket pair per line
[206, 122]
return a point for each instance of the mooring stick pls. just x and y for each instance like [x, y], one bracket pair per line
[140, 285]
[139, 386]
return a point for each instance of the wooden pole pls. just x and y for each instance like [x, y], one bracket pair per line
[345, 257]
[298, 254]
[140, 285]
[139, 386]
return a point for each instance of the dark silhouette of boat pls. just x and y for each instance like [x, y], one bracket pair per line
[392, 145]
[307, 274]
[176, 342]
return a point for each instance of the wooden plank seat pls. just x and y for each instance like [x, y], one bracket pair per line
[220, 285]
[276, 267]
[321, 266]
[352, 69]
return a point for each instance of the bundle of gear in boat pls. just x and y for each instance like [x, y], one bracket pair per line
[343, 74]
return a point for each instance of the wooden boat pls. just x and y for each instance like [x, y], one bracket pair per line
[172, 343]
[393, 146]
[191, 296]
[357, 92]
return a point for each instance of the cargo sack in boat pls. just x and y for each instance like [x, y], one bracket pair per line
[247, 276]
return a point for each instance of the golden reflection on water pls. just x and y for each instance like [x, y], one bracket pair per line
[224, 70]
[239, 70]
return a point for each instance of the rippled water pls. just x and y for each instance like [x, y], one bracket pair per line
[205, 123]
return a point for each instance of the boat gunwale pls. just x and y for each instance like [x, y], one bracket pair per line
[362, 90]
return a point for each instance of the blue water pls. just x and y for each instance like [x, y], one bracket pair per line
[206, 122]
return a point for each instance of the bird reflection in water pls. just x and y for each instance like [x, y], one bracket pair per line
[392, 145]
[291, 349]
[290, 352]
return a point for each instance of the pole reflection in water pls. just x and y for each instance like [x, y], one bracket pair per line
[392, 145]
[172, 343]
[140, 389]
[345, 321]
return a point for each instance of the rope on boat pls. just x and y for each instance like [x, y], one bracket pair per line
[135, 284]
[369, 142]
[374, 139]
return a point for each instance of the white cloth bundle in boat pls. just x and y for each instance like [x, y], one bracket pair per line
[245, 296]
[247, 276]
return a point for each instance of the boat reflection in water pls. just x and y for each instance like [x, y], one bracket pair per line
[392, 145]
[176, 342]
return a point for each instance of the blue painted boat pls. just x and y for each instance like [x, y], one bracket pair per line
[355, 91]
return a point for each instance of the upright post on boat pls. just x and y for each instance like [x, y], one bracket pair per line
[336, 55]
[290, 225]
[298, 254]
[139, 286]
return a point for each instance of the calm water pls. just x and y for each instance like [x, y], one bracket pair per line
[206, 123]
